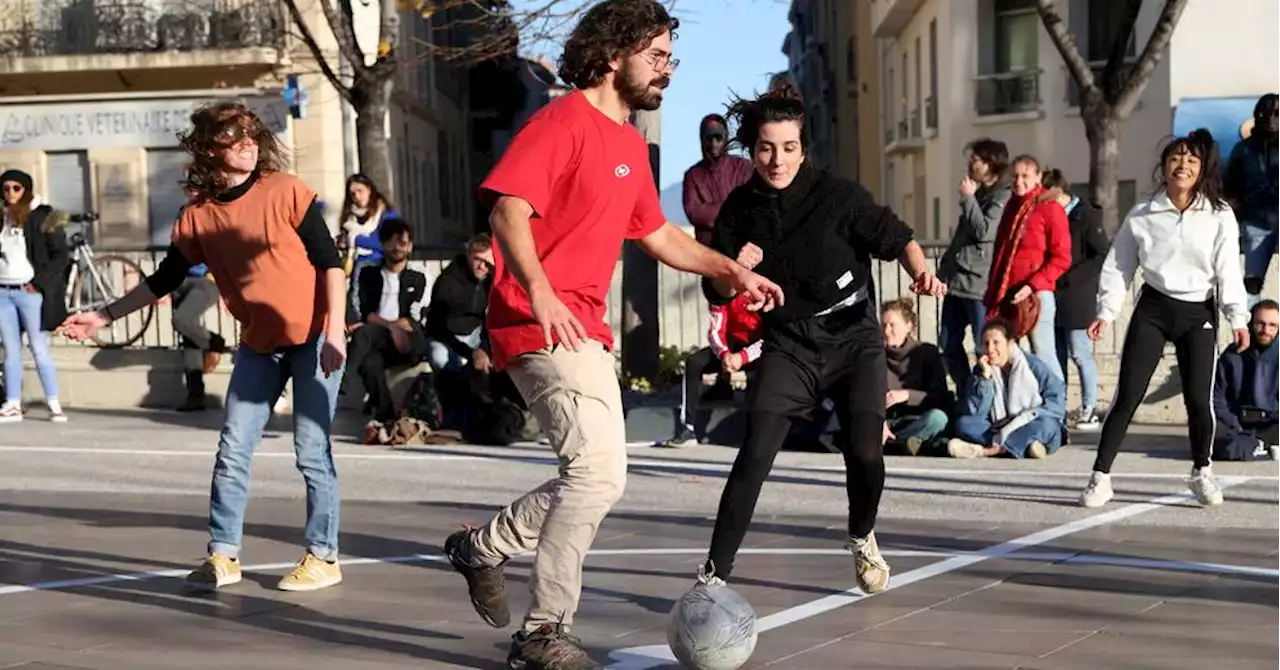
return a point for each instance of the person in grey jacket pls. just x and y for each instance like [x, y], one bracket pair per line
[967, 262]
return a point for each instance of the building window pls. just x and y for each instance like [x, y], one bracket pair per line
[931, 105]
[1017, 30]
[1105, 20]
[446, 170]
[919, 100]
[850, 62]
[68, 187]
[165, 198]
[937, 219]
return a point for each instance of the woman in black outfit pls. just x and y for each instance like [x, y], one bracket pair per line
[815, 235]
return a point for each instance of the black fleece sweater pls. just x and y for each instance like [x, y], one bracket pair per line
[818, 236]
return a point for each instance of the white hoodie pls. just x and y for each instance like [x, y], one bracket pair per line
[15, 266]
[1187, 256]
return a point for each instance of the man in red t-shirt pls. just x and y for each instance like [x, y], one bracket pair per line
[574, 183]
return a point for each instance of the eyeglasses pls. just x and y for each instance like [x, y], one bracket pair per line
[13, 188]
[662, 61]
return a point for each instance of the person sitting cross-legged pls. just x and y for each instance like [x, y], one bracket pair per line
[915, 405]
[1012, 404]
[390, 333]
[1246, 398]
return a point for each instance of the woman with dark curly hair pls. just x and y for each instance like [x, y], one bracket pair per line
[260, 232]
[1185, 240]
[573, 185]
[814, 234]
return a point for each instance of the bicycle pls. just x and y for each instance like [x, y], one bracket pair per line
[97, 281]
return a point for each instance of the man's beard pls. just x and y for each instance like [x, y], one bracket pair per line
[637, 94]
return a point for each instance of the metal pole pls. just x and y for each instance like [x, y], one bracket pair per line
[640, 350]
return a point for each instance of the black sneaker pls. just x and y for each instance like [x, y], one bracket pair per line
[548, 648]
[686, 438]
[486, 584]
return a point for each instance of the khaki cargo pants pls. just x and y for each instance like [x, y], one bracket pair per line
[577, 401]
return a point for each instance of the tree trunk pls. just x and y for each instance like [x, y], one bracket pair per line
[1103, 131]
[373, 101]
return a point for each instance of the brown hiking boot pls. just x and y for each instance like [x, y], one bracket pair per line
[548, 648]
[486, 584]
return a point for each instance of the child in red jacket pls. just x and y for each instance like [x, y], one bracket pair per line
[734, 334]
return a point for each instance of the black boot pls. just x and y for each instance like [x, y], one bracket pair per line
[195, 401]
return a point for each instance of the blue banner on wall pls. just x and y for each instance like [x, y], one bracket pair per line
[1224, 117]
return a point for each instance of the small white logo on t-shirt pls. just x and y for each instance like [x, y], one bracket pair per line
[621, 171]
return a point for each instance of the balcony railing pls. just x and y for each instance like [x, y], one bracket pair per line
[931, 112]
[915, 124]
[1007, 92]
[1073, 90]
[888, 134]
[903, 127]
[103, 27]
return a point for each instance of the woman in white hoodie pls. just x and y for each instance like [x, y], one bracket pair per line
[1186, 242]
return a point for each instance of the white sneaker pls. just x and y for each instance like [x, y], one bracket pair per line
[869, 564]
[1098, 492]
[1205, 487]
[1089, 422]
[958, 448]
[10, 413]
[707, 575]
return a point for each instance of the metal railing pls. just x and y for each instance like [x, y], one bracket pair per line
[904, 127]
[915, 124]
[682, 310]
[1007, 92]
[931, 112]
[83, 27]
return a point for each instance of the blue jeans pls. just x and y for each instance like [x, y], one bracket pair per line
[1043, 342]
[957, 314]
[20, 311]
[1258, 244]
[256, 382]
[1077, 344]
[1043, 429]
[441, 357]
[925, 425]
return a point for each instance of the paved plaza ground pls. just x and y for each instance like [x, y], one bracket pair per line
[994, 565]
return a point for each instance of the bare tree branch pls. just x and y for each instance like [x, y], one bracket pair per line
[1066, 45]
[1150, 57]
[309, 39]
[343, 26]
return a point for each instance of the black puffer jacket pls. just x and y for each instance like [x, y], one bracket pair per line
[50, 257]
[1077, 294]
[818, 236]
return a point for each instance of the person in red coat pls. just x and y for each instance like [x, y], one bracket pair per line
[1033, 249]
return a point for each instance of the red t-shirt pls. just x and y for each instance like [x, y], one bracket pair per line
[588, 180]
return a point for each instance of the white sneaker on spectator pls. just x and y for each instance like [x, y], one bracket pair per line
[958, 448]
[1089, 422]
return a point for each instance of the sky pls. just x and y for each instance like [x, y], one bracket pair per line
[724, 47]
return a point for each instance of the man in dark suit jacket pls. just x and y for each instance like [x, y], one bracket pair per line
[390, 330]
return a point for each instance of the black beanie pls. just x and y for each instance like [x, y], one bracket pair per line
[18, 176]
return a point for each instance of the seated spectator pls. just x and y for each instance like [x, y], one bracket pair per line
[455, 317]
[1246, 394]
[1013, 403]
[390, 333]
[734, 335]
[916, 403]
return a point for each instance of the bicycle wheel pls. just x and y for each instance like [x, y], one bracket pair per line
[109, 279]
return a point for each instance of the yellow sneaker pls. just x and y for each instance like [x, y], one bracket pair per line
[312, 574]
[214, 573]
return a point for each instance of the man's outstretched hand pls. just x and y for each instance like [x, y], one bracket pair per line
[763, 294]
[82, 326]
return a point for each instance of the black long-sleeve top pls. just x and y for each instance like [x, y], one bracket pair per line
[818, 236]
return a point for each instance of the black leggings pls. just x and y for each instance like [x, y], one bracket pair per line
[1192, 327]
[787, 388]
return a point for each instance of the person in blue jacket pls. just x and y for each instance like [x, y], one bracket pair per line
[363, 211]
[1011, 405]
[1246, 392]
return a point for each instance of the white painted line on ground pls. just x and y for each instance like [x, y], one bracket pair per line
[673, 464]
[652, 656]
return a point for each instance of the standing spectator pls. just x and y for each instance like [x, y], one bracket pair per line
[1246, 392]
[34, 259]
[966, 264]
[1033, 249]
[1250, 183]
[1012, 404]
[918, 399]
[1185, 240]
[1077, 294]
[363, 212]
[190, 301]
[455, 315]
[391, 332]
[710, 180]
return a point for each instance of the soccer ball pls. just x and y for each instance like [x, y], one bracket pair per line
[712, 628]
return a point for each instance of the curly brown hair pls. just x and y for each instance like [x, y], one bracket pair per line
[217, 126]
[784, 103]
[904, 307]
[609, 30]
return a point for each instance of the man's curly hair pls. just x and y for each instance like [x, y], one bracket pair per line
[610, 30]
[214, 127]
